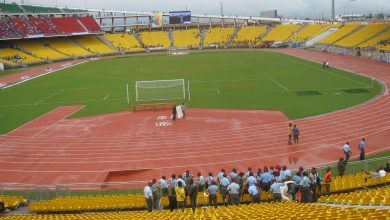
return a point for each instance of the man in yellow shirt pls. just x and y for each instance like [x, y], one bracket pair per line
[289, 133]
[180, 195]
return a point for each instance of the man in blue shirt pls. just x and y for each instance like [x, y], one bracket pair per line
[254, 192]
[275, 189]
[251, 180]
[305, 188]
[212, 194]
[233, 174]
[220, 175]
[295, 132]
[224, 184]
[297, 179]
[362, 145]
[265, 179]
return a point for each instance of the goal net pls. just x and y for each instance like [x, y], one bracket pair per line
[178, 51]
[160, 90]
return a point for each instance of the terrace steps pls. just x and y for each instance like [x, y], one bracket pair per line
[352, 32]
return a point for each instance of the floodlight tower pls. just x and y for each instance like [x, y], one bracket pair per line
[333, 10]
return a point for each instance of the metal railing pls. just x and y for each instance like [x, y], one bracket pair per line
[354, 167]
[46, 192]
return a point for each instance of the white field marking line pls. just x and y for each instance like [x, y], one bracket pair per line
[379, 104]
[43, 74]
[280, 85]
[52, 125]
[49, 96]
[221, 162]
[377, 76]
[105, 97]
[318, 69]
[32, 120]
[218, 92]
[272, 145]
[76, 102]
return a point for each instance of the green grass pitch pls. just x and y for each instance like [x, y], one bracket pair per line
[231, 80]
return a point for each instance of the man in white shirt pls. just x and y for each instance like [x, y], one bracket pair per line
[180, 179]
[148, 194]
[220, 175]
[347, 151]
[234, 193]
[201, 182]
[382, 172]
[164, 186]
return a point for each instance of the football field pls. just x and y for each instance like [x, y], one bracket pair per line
[226, 79]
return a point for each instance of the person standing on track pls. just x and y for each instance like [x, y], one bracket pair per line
[174, 113]
[289, 133]
[362, 146]
[347, 151]
[183, 109]
[295, 132]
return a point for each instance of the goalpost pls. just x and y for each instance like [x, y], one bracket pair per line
[160, 90]
[178, 51]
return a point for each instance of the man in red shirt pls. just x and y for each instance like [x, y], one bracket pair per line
[327, 180]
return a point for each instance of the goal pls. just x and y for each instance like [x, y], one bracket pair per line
[160, 90]
[178, 51]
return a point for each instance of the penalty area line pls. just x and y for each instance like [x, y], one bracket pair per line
[280, 85]
[105, 97]
[48, 97]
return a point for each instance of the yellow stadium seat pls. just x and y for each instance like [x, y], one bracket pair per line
[281, 32]
[124, 42]
[186, 38]
[155, 39]
[218, 36]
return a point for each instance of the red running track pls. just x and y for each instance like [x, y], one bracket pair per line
[129, 146]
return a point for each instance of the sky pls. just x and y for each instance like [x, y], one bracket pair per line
[288, 8]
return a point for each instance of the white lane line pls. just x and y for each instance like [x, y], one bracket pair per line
[280, 85]
[105, 97]
[48, 97]
[218, 92]
[43, 74]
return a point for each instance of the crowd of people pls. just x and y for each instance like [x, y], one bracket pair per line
[14, 58]
[302, 185]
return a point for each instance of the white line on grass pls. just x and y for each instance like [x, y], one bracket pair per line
[218, 92]
[280, 85]
[325, 71]
[105, 97]
[48, 97]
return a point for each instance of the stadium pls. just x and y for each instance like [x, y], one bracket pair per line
[125, 114]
